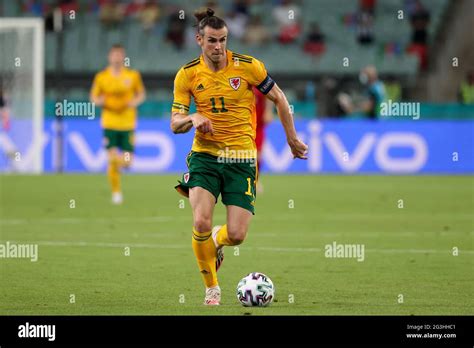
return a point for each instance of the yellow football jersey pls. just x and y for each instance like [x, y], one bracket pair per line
[118, 92]
[226, 98]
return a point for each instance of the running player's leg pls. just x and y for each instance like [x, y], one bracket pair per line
[127, 159]
[235, 231]
[239, 198]
[127, 145]
[113, 170]
[202, 204]
[120, 156]
[112, 144]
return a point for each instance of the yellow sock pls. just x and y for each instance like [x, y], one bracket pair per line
[222, 236]
[113, 172]
[205, 252]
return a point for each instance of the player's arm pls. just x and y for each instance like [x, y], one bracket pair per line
[346, 103]
[298, 148]
[364, 106]
[95, 95]
[137, 99]
[258, 76]
[5, 117]
[140, 92]
[181, 121]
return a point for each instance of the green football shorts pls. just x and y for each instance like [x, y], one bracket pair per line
[235, 181]
[123, 140]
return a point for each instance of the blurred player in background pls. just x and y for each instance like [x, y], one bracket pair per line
[264, 111]
[4, 112]
[220, 81]
[374, 95]
[119, 91]
[8, 146]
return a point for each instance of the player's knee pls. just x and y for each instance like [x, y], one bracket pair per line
[236, 236]
[203, 224]
[236, 240]
[127, 159]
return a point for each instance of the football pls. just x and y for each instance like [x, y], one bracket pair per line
[255, 290]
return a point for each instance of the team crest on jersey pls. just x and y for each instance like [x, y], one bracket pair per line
[186, 177]
[234, 82]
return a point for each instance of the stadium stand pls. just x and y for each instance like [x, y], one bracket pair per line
[153, 54]
[80, 49]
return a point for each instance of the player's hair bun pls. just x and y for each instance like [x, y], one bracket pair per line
[200, 15]
[207, 18]
[210, 12]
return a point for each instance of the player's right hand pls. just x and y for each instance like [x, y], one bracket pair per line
[298, 148]
[100, 101]
[202, 124]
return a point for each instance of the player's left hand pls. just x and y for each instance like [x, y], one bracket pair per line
[298, 148]
[6, 124]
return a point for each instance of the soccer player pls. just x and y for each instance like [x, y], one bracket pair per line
[222, 159]
[4, 112]
[9, 148]
[119, 91]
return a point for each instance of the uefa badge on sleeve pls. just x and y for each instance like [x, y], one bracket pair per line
[186, 177]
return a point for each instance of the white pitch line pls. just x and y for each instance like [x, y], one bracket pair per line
[279, 217]
[151, 219]
[100, 220]
[275, 249]
[369, 217]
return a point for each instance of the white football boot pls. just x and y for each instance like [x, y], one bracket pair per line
[117, 198]
[213, 296]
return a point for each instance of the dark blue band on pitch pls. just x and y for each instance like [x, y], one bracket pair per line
[266, 85]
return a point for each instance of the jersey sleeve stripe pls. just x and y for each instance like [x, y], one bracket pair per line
[193, 61]
[191, 65]
[180, 106]
[240, 56]
[237, 59]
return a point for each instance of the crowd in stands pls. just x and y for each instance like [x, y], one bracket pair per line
[419, 16]
[245, 22]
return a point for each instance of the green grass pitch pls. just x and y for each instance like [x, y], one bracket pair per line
[408, 251]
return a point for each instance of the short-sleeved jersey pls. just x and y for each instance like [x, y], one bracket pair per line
[118, 92]
[377, 95]
[226, 98]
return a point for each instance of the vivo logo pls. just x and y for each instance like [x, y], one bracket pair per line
[96, 161]
[325, 149]
[350, 162]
